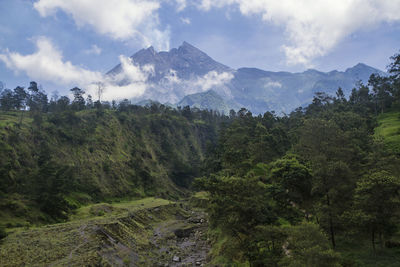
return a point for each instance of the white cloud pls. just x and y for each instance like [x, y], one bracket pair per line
[47, 64]
[314, 28]
[186, 21]
[93, 50]
[213, 79]
[181, 5]
[119, 19]
[131, 82]
[172, 89]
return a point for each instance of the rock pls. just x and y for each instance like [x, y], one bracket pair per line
[201, 220]
[183, 233]
[198, 263]
[176, 259]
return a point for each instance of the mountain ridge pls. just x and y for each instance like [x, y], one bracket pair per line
[186, 71]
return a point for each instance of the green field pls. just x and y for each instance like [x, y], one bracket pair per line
[389, 129]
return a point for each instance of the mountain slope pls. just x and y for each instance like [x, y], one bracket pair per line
[73, 158]
[207, 100]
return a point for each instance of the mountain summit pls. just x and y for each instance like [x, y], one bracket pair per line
[185, 75]
[186, 60]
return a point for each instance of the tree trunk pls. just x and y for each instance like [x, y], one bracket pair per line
[331, 228]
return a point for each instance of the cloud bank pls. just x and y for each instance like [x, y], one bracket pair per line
[314, 28]
[132, 82]
[172, 89]
[47, 64]
[119, 19]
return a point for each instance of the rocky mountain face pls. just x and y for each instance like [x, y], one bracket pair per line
[185, 76]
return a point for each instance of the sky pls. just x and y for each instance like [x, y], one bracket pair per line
[62, 44]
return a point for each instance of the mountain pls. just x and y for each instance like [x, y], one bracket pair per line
[260, 90]
[188, 76]
[186, 61]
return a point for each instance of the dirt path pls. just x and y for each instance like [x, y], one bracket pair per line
[181, 242]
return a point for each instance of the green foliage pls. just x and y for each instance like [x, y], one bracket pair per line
[308, 246]
[237, 205]
[292, 182]
[377, 199]
[67, 154]
[3, 233]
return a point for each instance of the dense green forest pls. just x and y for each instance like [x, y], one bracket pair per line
[317, 187]
[58, 155]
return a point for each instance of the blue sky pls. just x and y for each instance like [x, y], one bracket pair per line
[79, 40]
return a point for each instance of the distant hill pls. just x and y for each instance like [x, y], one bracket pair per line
[185, 75]
[207, 100]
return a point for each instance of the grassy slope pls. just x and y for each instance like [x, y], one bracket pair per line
[113, 155]
[120, 235]
[389, 129]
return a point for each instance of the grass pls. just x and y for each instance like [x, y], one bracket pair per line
[117, 208]
[389, 129]
[90, 238]
[11, 118]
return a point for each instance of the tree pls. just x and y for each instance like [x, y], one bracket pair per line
[99, 90]
[79, 102]
[265, 245]
[382, 89]
[124, 105]
[243, 209]
[37, 99]
[308, 246]
[62, 103]
[237, 205]
[377, 198]
[89, 102]
[328, 150]
[20, 97]
[292, 182]
[7, 100]
[394, 70]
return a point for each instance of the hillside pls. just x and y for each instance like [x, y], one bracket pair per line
[208, 100]
[389, 129]
[128, 233]
[54, 163]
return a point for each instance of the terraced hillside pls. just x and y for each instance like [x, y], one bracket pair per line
[146, 232]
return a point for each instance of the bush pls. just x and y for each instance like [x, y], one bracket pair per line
[3, 233]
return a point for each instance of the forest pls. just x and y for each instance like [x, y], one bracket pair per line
[317, 187]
